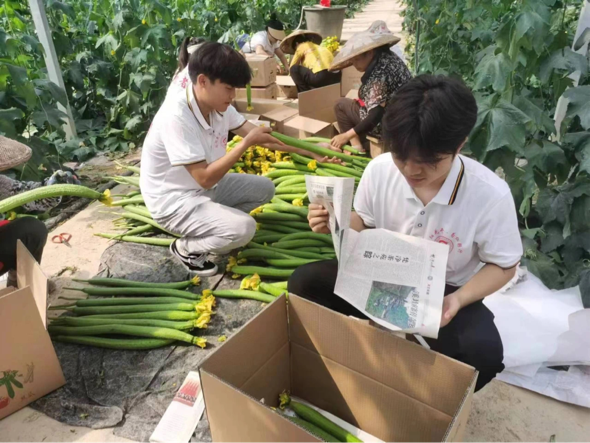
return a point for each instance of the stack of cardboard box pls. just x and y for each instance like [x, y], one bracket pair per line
[264, 75]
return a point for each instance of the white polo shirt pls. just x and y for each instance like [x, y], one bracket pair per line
[473, 213]
[178, 136]
[260, 38]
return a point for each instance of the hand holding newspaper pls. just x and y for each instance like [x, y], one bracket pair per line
[396, 280]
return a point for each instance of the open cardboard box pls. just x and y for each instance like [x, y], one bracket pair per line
[316, 113]
[27, 354]
[259, 105]
[286, 87]
[279, 116]
[264, 69]
[387, 386]
[269, 92]
[351, 79]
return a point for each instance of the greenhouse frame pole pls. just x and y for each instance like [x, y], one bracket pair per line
[583, 24]
[51, 61]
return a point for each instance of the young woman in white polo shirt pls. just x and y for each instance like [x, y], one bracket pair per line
[184, 164]
[423, 187]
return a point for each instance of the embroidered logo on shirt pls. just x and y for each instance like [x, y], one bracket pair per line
[452, 239]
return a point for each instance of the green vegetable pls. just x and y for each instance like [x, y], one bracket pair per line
[340, 168]
[291, 197]
[142, 240]
[268, 238]
[148, 221]
[314, 417]
[279, 228]
[242, 293]
[291, 190]
[133, 181]
[291, 252]
[138, 331]
[283, 172]
[52, 191]
[327, 140]
[285, 178]
[285, 207]
[156, 315]
[313, 429]
[301, 158]
[310, 147]
[263, 272]
[254, 253]
[163, 292]
[289, 262]
[138, 199]
[280, 284]
[117, 301]
[291, 166]
[187, 325]
[122, 282]
[139, 230]
[326, 238]
[297, 225]
[277, 216]
[294, 244]
[123, 309]
[291, 181]
[139, 210]
[324, 173]
[273, 290]
[114, 343]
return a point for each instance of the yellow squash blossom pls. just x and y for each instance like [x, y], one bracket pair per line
[196, 280]
[235, 276]
[200, 342]
[222, 338]
[236, 138]
[203, 321]
[206, 293]
[254, 282]
[106, 198]
[298, 202]
[249, 108]
[257, 210]
[313, 165]
[231, 263]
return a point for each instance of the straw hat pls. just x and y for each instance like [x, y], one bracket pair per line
[12, 153]
[277, 34]
[377, 35]
[287, 43]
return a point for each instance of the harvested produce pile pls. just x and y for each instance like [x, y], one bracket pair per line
[284, 240]
[148, 315]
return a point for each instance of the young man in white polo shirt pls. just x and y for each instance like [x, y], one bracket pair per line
[184, 164]
[423, 187]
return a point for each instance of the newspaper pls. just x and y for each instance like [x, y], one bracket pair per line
[334, 194]
[396, 280]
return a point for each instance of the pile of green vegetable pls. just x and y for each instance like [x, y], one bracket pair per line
[283, 241]
[148, 315]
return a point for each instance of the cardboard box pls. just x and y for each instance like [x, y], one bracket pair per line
[259, 105]
[277, 117]
[351, 79]
[376, 146]
[387, 386]
[268, 92]
[27, 355]
[316, 113]
[286, 86]
[264, 69]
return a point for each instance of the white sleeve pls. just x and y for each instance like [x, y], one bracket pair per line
[497, 235]
[234, 118]
[260, 39]
[364, 200]
[182, 142]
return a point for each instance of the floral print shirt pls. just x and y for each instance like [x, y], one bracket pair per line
[385, 75]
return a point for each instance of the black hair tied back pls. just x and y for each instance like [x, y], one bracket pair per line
[218, 61]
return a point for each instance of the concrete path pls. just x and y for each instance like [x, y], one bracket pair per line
[386, 10]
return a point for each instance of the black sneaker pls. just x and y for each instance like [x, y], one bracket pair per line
[196, 263]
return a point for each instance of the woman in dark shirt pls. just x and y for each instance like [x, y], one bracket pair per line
[384, 73]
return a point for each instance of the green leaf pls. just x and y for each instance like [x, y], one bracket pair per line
[51, 115]
[18, 74]
[7, 119]
[553, 238]
[133, 122]
[544, 268]
[136, 57]
[581, 144]
[119, 20]
[534, 26]
[547, 157]
[56, 92]
[554, 205]
[109, 41]
[580, 214]
[582, 40]
[493, 70]
[59, 6]
[539, 117]
[579, 104]
[498, 125]
[565, 61]
[152, 35]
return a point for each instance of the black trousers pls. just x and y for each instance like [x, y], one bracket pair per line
[306, 80]
[30, 231]
[471, 337]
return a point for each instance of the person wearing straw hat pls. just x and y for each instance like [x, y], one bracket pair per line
[384, 73]
[310, 62]
[28, 230]
[266, 42]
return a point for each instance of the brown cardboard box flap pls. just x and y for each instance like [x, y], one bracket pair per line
[285, 80]
[259, 105]
[410, 368]
[307, 124]
[28, 351]
[29, 273]
[280, 114]
[319, 103]
[264, 69]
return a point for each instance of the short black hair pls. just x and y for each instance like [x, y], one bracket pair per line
[221, 62]
[275, 23]
[429, 117]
